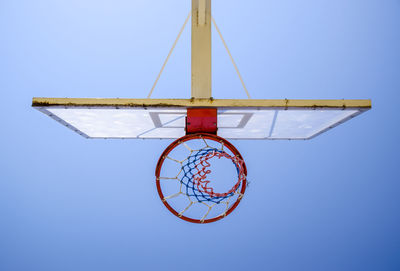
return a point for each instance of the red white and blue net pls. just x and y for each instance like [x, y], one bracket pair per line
[193, 179]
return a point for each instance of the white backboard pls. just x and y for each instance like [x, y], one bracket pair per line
[237, 119]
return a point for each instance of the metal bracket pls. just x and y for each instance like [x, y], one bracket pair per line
[201, 120]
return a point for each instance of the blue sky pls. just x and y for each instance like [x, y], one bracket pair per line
[68, 203]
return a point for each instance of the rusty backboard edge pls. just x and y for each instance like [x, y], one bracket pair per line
[185, 103]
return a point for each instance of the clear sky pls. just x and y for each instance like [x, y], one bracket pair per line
[68, 203]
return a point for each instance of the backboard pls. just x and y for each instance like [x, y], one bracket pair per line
[165, 118]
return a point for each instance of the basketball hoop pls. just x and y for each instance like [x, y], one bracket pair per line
[185, 175]
[192, 178]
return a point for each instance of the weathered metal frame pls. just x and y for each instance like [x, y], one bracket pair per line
[185, 103]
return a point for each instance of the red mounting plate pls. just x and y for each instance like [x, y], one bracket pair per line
[201, 120]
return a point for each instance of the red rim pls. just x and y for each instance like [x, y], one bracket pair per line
[187, 138]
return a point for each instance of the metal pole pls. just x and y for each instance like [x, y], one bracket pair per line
[201, 49]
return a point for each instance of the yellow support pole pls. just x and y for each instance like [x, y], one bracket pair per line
[201, 49]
